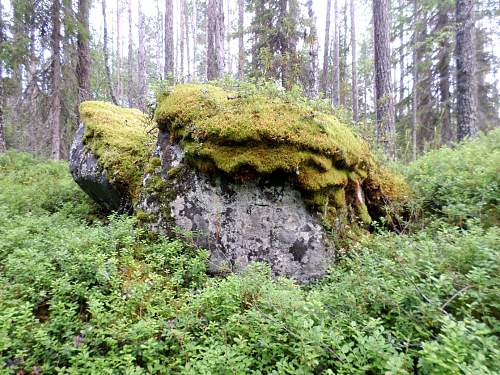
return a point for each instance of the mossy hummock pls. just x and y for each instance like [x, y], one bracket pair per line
[120, 140]
[240, 136]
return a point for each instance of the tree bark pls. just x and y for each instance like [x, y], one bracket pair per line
[169, 41]
[130, 66]
[55, 110]
[186, 40]
[106, 55]
[466, 67]
[141, 61]
[355, 115]
[336, 57]
[3, 144]
[215, 40]
[324, 73]
[119, 89]
[313, 52]
[386, 128]
[83, 64]
[194, 30]
[401, 61]
[443, 67]
[414, 121]
[181, 38]
[241, 42]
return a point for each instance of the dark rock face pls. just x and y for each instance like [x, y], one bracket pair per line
[238, 223]
[92, 178]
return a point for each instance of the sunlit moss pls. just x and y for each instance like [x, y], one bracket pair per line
[119, 138]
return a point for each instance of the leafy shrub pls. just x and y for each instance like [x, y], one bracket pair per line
[107, 298]
[463, 182]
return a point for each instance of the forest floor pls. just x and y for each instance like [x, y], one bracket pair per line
[85, 293]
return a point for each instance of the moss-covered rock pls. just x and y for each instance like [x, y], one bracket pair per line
[247, 136]
[121, 139]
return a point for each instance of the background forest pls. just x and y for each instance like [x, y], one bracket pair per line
[55, 54]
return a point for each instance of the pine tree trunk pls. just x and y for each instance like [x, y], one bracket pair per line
[401, 61]
[3, 144]
[215, 40]
[83, 51]
[194, 30]
[386, 127]
[186, 38]
[336, 57]
[141, 61]
[466, 67]
[119, 89]
[443, 66]
[324, 73]
[169, 41]
[241, 42]
[415, 82]
[130, 66]
[313, 52]
[159, 40]
[181, 38]
[55, 109]
[355, 115]
[106, 55]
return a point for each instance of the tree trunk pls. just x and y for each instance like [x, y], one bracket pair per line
[3, 144]
[336, 56]
[401, 60]
[83, 64]
[241, 42]
[186, 40]
[355, 115]
[141, 61]
[106, 55]
[130, 65]
[386, 128]
[466, 67]
[313, 52]
[324, 73]
[159, 40]
[119, 89]
[215, 40]
[415, 82]
[169, 41]
[181, 38]
[55, 110]
[443, 67]
[194, 30]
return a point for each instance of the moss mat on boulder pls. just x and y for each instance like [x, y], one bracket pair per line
[246, 136]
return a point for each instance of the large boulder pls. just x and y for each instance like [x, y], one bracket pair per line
[247, 176]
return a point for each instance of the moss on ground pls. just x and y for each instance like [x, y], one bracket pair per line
[119, 138]
[227, 132]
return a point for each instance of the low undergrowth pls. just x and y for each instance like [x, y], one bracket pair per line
[83, 294]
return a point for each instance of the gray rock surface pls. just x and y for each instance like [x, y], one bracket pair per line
[92, 178]
[238, 223]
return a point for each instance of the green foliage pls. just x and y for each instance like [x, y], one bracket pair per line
[461, 183]
[107, 297]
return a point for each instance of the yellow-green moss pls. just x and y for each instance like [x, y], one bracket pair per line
[224, 131]
[119, 138]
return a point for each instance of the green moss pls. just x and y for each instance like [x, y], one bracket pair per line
[120, 140]
[243, 136]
